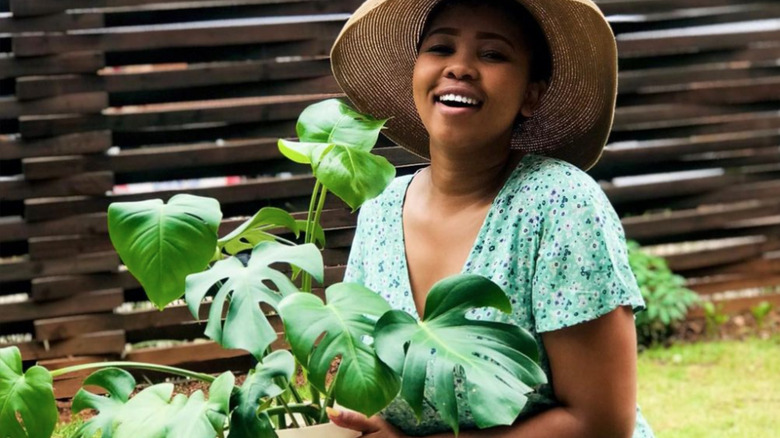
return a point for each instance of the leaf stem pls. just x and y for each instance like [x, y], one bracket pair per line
[137, 365]
[289, 411]
[306, 278]
[328, 402]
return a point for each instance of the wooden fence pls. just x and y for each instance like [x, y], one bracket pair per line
[119, 100]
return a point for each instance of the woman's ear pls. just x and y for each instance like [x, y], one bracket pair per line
[533, 97]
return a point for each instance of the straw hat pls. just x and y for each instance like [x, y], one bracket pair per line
[373, 60]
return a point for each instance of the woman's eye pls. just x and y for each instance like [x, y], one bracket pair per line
[494, 56]
[440, 48]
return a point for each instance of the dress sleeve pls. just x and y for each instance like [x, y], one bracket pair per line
[581, 270]
[354, 272]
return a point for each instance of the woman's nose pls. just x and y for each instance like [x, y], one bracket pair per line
[461, 68]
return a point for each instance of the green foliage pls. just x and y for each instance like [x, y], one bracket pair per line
[152, 412]
[249, 419]
[169, 247]
[499, 361]
[363, 383]
[163, 243]
[760, 311]
[337, 141]
[665, 295]
[715, 317]
[244, 289]
[29, 395]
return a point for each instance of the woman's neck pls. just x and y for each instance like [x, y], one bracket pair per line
[469, 177]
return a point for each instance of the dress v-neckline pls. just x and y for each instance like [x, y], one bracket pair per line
[406, 280]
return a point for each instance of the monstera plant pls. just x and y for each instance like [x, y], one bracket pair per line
[174, 251]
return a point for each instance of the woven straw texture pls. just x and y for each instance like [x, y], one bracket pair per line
[373, 60]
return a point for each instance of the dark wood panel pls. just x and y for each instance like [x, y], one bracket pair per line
[42, 7]
[88, 344]
[86, 263]
[199, 34]
[80, 62]
[90, 302]
[51, 23]
[12, 147]
[93, 183]
[41, 248]
[14, 228]
[57, 287]
[173, 77]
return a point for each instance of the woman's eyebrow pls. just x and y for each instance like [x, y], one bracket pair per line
[480, 35]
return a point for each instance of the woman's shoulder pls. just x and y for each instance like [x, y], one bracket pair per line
[540, 175]
[393, 195]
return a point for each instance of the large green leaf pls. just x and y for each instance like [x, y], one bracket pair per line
[353, 175]
[247, 419]
[246, 326]
[499, 361]
[333, 122]
[163, 243]
[29, 395]
[254, 230]
[152, 413]
[363, 382]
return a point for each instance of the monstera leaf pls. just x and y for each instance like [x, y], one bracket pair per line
[29, 395]
[152, 413]
[163, 243]
[342, 328]
[248, 420]
[337, 141]
[499, 361]
[254, 230]
[246, 326]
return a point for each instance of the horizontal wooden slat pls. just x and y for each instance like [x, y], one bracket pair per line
[25, 269]
[88, 344]
[79, 62]
[645, 6]
[14, 228]
[715, 37]
[72, 144]
[173, 77]
[682, 222]
[719, 256]
[90, 302]
[42, 7]
[735, 284]
[57, 287]
[243, 110]
[41, 248]
[70, 326]
[93, 183]
[194, 352]
[724, 92]
[667, 79]
[50, 23]
[198, 34]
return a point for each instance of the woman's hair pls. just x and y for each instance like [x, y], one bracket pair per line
[541, 64]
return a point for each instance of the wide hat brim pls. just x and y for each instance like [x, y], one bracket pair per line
[373, 60]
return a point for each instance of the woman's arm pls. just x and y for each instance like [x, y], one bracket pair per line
[594, 373]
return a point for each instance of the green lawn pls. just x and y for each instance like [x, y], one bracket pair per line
[727, 389]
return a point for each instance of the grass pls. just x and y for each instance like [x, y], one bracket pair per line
[712, 389]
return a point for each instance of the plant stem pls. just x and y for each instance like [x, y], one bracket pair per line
[138, 365]
[306, 409]
[289, 412]
[328, 402]
[306, 278]
[299, 400]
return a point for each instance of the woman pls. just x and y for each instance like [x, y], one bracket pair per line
[481, 109]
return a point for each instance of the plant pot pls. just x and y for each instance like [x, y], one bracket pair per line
[328, 430]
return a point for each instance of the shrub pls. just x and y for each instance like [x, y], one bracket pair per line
[665, 295]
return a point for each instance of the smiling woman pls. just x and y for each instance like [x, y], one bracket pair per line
[510, 100]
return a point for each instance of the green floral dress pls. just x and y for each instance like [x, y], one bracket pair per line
[551, 240]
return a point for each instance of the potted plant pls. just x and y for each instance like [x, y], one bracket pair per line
[174, 251]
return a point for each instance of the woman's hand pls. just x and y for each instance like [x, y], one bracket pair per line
[374, 427]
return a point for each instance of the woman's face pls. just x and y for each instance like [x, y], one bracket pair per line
[471, 77]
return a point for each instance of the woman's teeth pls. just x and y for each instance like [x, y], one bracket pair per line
[455, 100]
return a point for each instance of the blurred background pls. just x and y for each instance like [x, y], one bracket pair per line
[121, 100]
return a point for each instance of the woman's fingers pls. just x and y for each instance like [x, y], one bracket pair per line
[352, 420]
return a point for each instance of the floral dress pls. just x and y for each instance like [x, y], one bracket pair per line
[551, 240]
